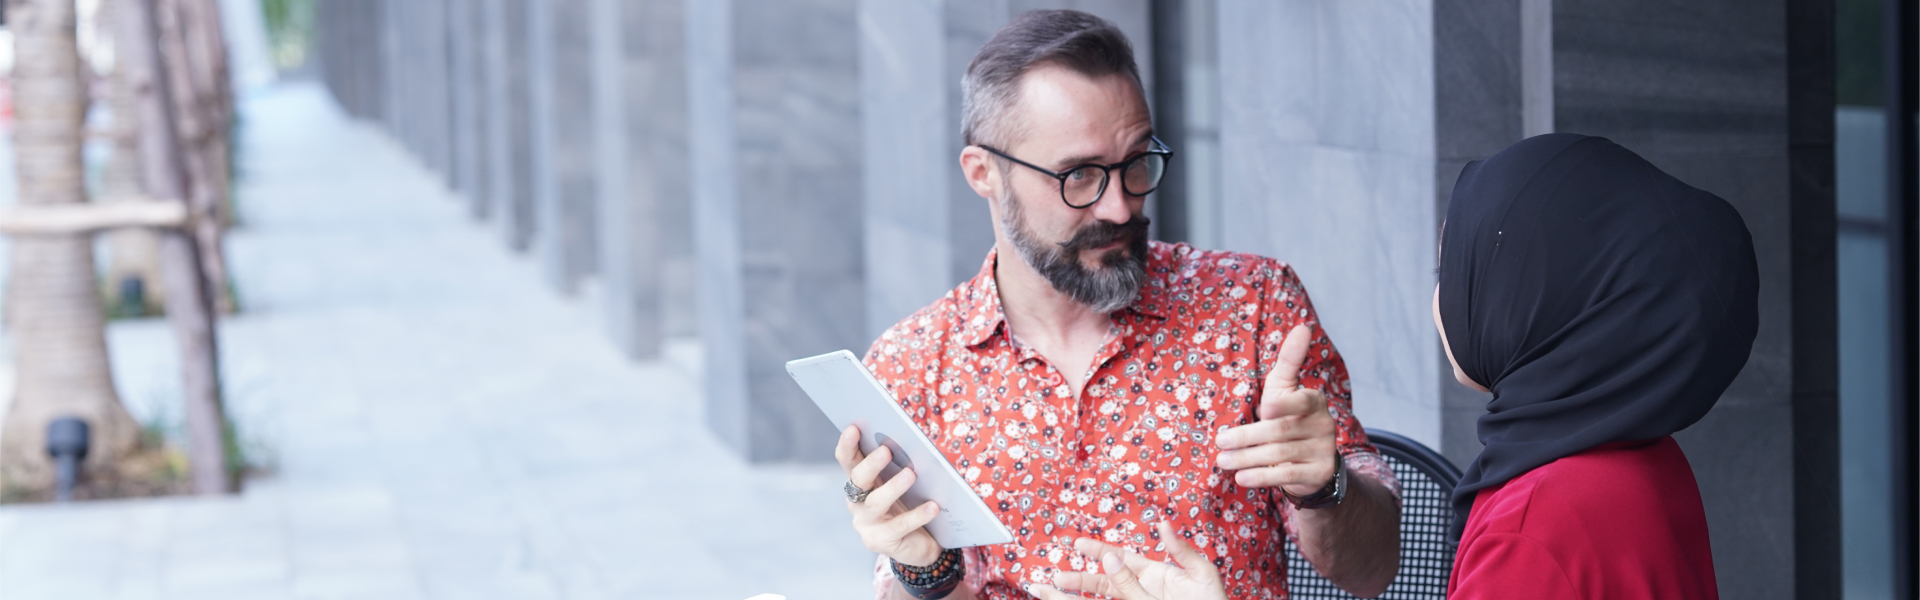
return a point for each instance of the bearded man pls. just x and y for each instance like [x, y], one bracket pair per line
[1090, 383]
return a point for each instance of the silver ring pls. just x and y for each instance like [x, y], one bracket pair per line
[855, 494]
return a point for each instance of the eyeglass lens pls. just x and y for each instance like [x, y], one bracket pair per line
[1084, 185]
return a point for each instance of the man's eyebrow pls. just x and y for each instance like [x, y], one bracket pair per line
[1094, 159]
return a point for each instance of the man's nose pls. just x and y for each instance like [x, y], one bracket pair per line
[1112, 206]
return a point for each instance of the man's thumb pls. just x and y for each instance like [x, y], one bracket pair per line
[1285, 375]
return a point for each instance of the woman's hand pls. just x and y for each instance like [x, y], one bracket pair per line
[1130, 576]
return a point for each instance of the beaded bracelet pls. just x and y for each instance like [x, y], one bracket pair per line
[935, 581]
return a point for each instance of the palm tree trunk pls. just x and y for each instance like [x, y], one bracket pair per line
[189, 293]
[191, 82]
[53, 308]
[206, 41]
[135, 251]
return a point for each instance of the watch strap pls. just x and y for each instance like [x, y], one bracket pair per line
[1331, 495]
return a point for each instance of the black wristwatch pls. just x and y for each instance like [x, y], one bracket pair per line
[1329, 496]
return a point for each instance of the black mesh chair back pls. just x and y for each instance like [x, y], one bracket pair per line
[1426, 560]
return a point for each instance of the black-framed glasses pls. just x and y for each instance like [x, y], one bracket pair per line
[1082, 185]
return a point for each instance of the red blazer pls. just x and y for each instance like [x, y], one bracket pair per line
[1618, 521]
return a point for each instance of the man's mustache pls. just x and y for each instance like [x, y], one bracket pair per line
[1101, 233]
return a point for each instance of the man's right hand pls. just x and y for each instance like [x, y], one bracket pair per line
[1130, 576]
[885, 525]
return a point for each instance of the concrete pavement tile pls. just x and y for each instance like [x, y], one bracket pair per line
[239, 570]
[378, 551]
[279, 590]
[343, 584]
[485, 585]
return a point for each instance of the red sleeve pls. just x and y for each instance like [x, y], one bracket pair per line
[1508, 565]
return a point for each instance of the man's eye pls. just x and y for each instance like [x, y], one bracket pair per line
[1079, 174]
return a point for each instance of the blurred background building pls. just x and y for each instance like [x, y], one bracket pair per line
[736, 183]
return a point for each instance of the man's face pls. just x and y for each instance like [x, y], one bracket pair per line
[1095, 255]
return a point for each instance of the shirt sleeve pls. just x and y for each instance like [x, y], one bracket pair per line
[1287, 305]
[974, 581]
[1508, 565]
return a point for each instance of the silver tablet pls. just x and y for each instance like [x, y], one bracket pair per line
[843, 389]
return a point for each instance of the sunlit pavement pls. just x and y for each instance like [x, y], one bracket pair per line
[440, 423]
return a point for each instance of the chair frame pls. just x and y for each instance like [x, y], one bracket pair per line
[1413, 454]
[1419, 455]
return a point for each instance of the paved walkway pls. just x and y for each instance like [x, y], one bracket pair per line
[443, 426]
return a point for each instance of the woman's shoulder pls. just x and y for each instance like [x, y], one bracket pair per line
[1622, 484]
[1621, 517]
[1612, 473]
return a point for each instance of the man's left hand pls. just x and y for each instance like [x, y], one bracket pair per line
[1130, 576]
[1293, 444]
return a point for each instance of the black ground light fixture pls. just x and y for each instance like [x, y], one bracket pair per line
[67, 441]
[133, 297]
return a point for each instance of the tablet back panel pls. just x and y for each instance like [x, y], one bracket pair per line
[849, 395]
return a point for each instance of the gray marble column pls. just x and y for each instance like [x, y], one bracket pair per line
[926, 229]
[395, 88]
[1345, 125]
[910, 147]
[514, 152]
[549, 217]
[495, 74]
[413, 33]
[349, 35]
[566, 240]
[641, 175]
[465, 47]
[435, 104]
[776, 148]
[1328, 162]
[1704, 96]
[1477, 112]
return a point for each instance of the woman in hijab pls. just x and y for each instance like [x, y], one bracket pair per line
[1606, 305]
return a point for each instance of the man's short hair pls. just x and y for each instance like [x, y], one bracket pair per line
[1081, 42]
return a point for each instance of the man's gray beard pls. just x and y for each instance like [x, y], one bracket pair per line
[1114, 286]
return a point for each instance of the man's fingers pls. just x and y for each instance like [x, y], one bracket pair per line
[847, 451]
[882, 498]
[1293, 353]
[866, 473]
[1295, 474]
[1192, 561]
[920, 516]
[1261, 433]
[1266, 455]
[1092, 548]
[1249, 435]
[1085, 583]
[1125, 585]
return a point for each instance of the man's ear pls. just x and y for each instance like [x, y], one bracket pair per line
[977, 166]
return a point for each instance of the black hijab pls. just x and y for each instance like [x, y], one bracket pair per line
[1600, 299]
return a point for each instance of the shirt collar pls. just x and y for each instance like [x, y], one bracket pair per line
[984, 314]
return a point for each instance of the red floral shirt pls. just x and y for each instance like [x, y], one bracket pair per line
[1184, 362]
